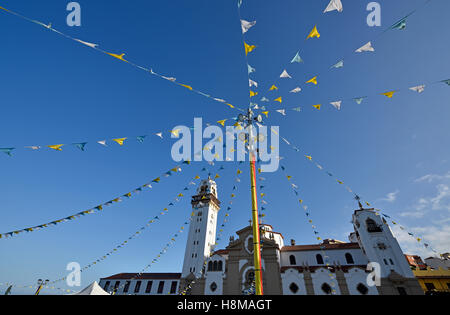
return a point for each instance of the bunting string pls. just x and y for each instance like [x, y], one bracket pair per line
[99, 208]
[121, 56]
[317, 235]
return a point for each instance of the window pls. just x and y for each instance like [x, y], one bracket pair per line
[430, 286]
[349, 259]
[401, 291]
[137, 288]
[215, 266]
[173, 287]
[106, 287]
[161, 287]
[294, 288]
[148, 289]
[220, 266]
[116, 285]
[326, 288]
[391, 261]
[250, 277]
[250, 245]
[362, 289]
[385, 262]
[210, 266]
[213, 287]
[319, 259]
[292, 260]
[372, 226]
[127, 287]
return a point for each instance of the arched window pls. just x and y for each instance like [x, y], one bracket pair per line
[292, 260]
[326, 288]
[220, 266]
[349, 258]
[215, 266]
[210, 266]
[319, 259]
[391, 261]
[213, 287]
[372, 226]
[362, 289]
[250, 277]
[200, 214]
[294, 288]
[385, 262]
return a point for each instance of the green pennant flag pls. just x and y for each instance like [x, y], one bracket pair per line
[81, 145]
[297, 58]
[446, 82]
[7, 150]
[140, 138]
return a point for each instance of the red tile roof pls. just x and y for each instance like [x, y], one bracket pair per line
[296, 248]
[144, 276]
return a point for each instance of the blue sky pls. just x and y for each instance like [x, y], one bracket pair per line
[393, 152]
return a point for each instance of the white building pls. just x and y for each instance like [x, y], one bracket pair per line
[332, 267]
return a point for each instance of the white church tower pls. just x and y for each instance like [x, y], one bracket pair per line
[380, 246]
[202, 229]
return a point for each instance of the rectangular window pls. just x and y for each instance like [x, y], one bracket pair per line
[430, 286]
[148, 289]
[116, 285]
[402, 291]
[127, 287]
[137, 288]
[106, 287]
[173, 287]
[161, 287]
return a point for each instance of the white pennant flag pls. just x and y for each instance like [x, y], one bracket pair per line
[87, 44]
[337, 104]
[366, 47]
[169, 78]
[159, 134]
[334, 5]
[418, 89]
[103, 142]
[296, 90]
[282, 112]
[252, 83]
[33, 147]
[285, 75]
[246, 25]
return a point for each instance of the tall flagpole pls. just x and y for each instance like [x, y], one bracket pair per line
[255, 216]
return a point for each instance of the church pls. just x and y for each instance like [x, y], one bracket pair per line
[330, 268]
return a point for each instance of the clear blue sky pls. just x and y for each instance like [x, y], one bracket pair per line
[56, 91]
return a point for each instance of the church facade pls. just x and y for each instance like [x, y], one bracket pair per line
[332, 267]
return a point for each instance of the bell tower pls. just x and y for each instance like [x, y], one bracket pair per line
[202, 229]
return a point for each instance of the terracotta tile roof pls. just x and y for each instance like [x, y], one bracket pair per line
[144, 276]
[297, 248]
[221, 252]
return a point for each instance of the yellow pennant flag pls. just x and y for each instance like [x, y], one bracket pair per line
[120, 141]
[273, 88]
[120, 57]
[239, 172]
[317, 106]
[175, 133]
[253, 93]
[289, 177]
[217, 176]
[186, 86]
[222, 122]
[197, 177]
[266, 113]
[230, 105]
[313, 80]
[180, 195]
[280, 99]
[174, 169]
[56, 147]
[389, 94]
[314, 33]
[308, 157]
[248, 48]
[301, 201]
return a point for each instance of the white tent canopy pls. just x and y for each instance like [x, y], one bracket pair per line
[93, 289]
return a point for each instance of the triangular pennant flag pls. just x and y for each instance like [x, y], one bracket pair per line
[418, 89]
[389, 94]
[248, 48]
[339, 64]
[80, 146]
[296, 90]
[282, 112]
[359, 100]
[297, 58]
[318, 106]
[141, 139]
[252, 83]
[252, 94]
[366, 47]
[120, 57]
[285, 75]
[222, 122]
[187, 86]
[120, 141]
[400, 25]
[334, 5]
[175, 133]
[7, 151]
[314, 33]
[246, 25]
[159, 134]
[33, 147]
[337, 104]
[56, 147]
[265, 99]
[266, 113]
[250, 69]
[446, 82]
[280, 100]
[102, 142]
[297, 109]
[87, 44]
[273, 88]
[313, 80]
